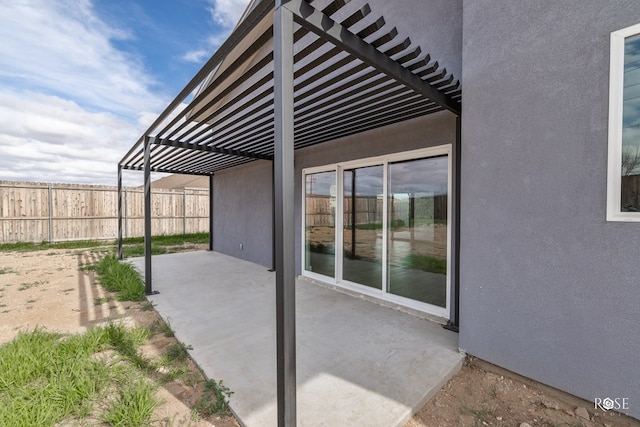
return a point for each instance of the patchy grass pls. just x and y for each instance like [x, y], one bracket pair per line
[30, 246]
[87, 267]
[482, 415]
[6, 270]
[29, 285]
[50, 379]
[138, 250]
[121, 278]
[159, 326]
[171, 240]
[102, 300]
[133, 406]
[425, 263]
[214, 400]
[161, 242]
[146, 306]
[176, 353]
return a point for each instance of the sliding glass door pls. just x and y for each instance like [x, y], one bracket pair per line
[320, 218]
[381, 227]
[417, 236]
[362, 231]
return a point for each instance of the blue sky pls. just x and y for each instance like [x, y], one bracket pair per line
[81, 80]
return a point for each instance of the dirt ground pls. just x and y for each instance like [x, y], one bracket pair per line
[53, 289]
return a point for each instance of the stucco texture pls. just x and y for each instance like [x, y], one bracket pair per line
[243, 213]
[549, 289]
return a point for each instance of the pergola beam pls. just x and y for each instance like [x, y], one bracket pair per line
[211, 149]
[262, 9]
[322, 25]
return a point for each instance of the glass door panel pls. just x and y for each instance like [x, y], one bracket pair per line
[362, 235]
[417, 235]
[320, 216]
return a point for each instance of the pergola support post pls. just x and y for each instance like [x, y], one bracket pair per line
[284, 218]
[211, 212]
[273, 216]
[148, 289]
[454, 314]
[119, 211]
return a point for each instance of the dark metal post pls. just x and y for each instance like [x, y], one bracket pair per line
[119, 211]
[273, 216]
[211, 212]
[284, 196]
[353, 214]
[147, 215]
[412, 216]
[454, 322]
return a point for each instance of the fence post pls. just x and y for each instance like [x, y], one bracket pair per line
[50, 196]
[126, 212]
[184, 211]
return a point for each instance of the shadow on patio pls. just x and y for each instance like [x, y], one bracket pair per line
[358, 363]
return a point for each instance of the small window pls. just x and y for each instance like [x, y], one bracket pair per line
[623, 202]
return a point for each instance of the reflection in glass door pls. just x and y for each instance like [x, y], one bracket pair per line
[362, 232]
[417, 235]
[380, 227]
[320, 208]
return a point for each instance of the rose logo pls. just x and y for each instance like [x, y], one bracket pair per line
[607, 404]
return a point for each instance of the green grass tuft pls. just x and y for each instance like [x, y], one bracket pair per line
[176, 353]
[30, 246]
[134, 405]
[214, 400]
[122, 278]
[47, 378]
[138, 250]
[159, 241]
[425, 263]
[171, 240]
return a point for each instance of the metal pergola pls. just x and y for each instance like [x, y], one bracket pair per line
[294, 73]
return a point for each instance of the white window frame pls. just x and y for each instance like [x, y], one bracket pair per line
[616, 92]
[439, 312]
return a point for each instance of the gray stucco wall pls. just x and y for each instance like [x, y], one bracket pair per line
[429, 131]
[549, 289]
[242, 195]
[434, 25]
[242, 212]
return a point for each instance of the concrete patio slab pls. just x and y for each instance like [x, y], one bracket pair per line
[358, 363]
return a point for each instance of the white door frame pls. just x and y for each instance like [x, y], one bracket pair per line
[338, 168]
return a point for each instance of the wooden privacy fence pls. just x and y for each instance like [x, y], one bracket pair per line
[320, 209]
[36, 212]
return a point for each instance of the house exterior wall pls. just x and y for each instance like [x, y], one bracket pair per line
[549, 289]
[242, 212]
[243, 195]
[434, 25]
[429, 131]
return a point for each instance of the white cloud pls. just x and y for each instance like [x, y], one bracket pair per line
[63, 48]
[197, 56]
[227, 12]
[46, 138]
[71, 103]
